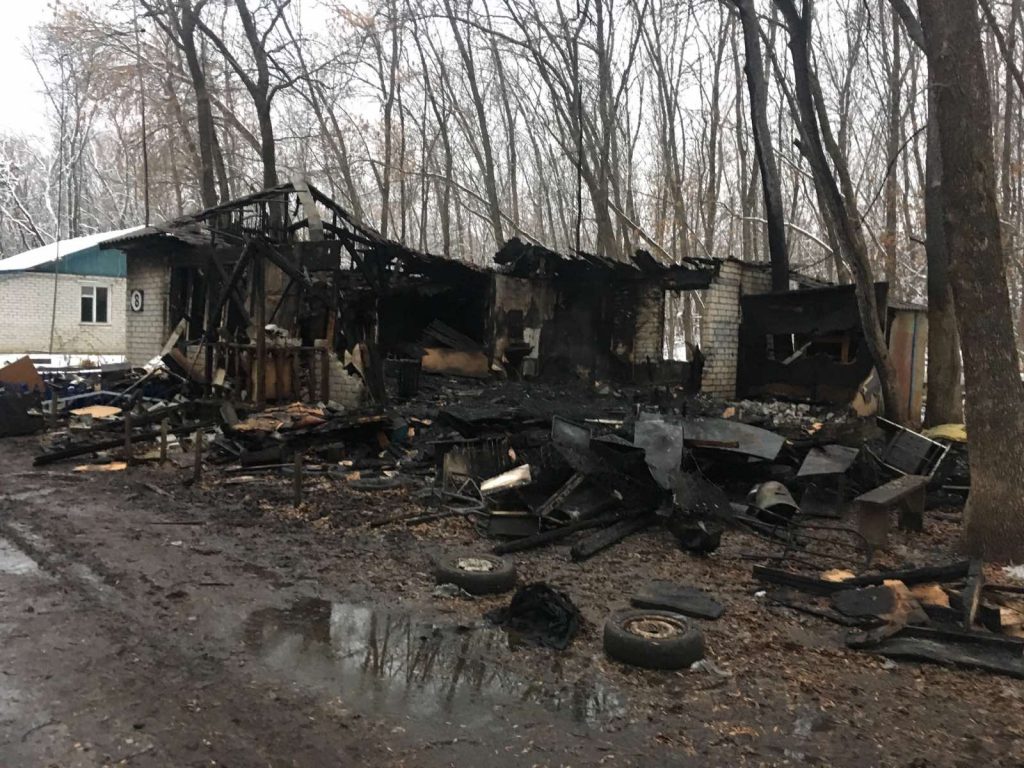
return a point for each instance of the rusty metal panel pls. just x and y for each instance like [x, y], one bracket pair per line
[908, 342]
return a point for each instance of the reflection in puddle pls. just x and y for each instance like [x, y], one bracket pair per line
[398, 663]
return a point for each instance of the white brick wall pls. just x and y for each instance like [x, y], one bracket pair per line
[26, 309]
[346, 389]
[720, 331]
[147, 331]
[649, 335]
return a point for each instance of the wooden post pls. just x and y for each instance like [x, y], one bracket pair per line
[163, 441]
[260, 310]
[197, 448]
[128, 436]
[325, 374]
[297, 480]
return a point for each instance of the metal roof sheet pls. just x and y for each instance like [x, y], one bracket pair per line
[51, 252]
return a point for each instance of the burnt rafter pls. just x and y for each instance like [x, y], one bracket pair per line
[521, 259]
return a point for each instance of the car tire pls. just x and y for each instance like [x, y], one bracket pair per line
[478, 574]
[652, 639]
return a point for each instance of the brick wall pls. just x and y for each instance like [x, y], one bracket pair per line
[720, 327]
[27, 307]
[147, 331]
[649, 335]
[346, 389]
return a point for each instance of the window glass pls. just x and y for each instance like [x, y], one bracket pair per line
[88, 292]
[101, 305]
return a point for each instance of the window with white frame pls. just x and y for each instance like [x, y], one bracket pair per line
[95, 303]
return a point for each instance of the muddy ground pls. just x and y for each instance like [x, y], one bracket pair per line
[147, 623]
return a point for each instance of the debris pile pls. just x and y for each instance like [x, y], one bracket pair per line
[530, 465]
[950, 615]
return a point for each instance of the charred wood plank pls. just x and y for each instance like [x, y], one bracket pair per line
[909, 576]
[556, 534]
[594, 543]
[229, 292]
[808, 584]
[104, 445]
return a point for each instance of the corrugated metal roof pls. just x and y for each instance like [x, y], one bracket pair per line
[47, 254]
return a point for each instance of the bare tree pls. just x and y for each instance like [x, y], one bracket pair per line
[994, 517]
[839, 195]
[771, 186]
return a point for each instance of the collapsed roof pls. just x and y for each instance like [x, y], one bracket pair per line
[298, 213]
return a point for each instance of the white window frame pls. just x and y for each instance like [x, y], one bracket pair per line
[90, 290]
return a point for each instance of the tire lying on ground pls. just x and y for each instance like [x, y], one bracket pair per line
[652, 639]
[476, 573]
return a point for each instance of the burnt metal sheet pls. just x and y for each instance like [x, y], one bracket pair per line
[698, 498]
[669, 596]
[828, 460]
[573, 442]
[662, 442]
[733, 436]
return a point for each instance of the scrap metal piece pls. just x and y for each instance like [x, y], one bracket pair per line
[662, 441]
[909, 452]
[773, 496]
[699, 498]
[828, 460]
[669, 596]
[560, 495]
[733, 436]
[573, 442]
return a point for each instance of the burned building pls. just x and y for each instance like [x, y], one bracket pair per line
[283, 294]
[339, 299]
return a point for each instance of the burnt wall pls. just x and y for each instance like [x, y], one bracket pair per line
[520, 309]
[831, 358]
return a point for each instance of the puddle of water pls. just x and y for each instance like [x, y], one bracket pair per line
[397, 663]
[15, 562]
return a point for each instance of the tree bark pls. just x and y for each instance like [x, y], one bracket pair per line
[994, 517]
[945, 403]
[771, 185]
[840, 199]
[185, 21]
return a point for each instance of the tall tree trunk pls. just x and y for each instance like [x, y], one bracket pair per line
[771, 184]
[185, 18]
[994, 517]
[945, 395]
[839, 197]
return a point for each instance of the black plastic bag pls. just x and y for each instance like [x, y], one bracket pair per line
[540, 615]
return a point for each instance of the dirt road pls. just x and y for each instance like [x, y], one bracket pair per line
[149, 624]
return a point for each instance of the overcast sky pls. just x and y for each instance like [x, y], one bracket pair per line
[20, 89]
